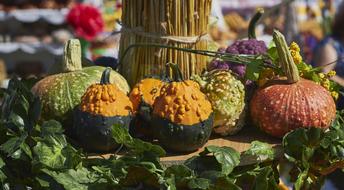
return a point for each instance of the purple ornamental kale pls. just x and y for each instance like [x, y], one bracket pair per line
[248, 47]
[218, 64]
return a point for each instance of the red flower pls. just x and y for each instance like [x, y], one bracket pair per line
[86, 21]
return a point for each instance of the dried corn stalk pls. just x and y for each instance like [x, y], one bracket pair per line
[179, 23]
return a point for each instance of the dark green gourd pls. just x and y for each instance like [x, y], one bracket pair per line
[102, 106]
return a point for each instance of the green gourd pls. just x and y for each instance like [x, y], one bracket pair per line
[61, 93]
[227, 96]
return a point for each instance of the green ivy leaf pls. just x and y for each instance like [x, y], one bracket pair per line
[179, 171]
[121, 136]
[3, 176]
[13, 144]
[199, 183]
[265, 180]
[201, 164]
[226, 156]
[301, 180]
[138, 174]
[273, 54]
[53, 150]
[262, 151]
[50, 128]
[212, 175]
[224, 183]
[80, 179]
[253, 69]
[299, 145]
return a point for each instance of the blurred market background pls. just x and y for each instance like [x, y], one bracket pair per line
[32, 32]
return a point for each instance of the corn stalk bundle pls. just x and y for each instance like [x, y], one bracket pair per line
[178, 23]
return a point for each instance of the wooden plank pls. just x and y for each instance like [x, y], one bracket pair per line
[239, 142]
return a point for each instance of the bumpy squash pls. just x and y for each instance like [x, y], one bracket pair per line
[284, 104]
[182, 115]
[227, 96]
[61, 93]
[102, 106]
[143, 96]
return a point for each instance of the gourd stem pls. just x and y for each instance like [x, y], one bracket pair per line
[286, 60]
[176, 73]
[72, 56]
[253, 22]
[106, 76]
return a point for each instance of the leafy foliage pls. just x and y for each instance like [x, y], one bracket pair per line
[315, 153]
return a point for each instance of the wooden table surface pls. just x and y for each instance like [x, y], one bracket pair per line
[240, 142]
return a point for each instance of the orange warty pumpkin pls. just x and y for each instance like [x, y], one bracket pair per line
[142, 96]
[145, 92]
[102, 106]
[285, 104]
[182, 115]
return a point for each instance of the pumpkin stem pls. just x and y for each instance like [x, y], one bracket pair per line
[72, 56]
[176, 73]
[286, 60]
[106, 76]
[253, 22]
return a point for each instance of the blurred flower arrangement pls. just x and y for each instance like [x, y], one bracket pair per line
[112, 12]
[87, 22]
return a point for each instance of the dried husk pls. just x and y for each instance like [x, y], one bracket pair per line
[164, 22]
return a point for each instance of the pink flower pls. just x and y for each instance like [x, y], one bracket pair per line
[86, 21]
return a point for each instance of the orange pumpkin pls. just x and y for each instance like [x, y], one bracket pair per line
[284, 104]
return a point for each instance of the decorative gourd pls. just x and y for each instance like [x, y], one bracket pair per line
[102, 106]
[145, 92]
[142, 96]
[227, 96]
[182, 116]
[288, 103]
[61, 93]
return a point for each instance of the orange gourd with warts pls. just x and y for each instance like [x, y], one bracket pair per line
[143, 96]
[102, 106]
[182, 114]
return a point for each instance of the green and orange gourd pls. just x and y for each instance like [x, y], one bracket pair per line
[287, 103]
[102, 106]
[182, 116]
[61, 93]
[143, 96]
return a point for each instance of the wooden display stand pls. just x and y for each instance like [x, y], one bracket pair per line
[239, 142]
